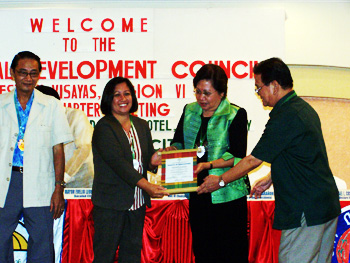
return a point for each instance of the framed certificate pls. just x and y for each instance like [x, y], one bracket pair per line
[178, 171]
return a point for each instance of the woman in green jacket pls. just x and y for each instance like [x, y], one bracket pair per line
[218, 220]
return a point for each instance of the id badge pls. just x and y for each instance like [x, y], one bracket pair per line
[136, 164]
[21, 145]
[201, 151]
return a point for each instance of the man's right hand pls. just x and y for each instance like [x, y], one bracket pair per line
[261, 186]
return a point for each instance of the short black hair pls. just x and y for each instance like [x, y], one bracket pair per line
[108, 94]
[216, 75]
[22, 55]
[274, 69]
[48, 91]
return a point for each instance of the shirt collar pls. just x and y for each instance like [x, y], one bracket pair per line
[283, 100]
[29, 103]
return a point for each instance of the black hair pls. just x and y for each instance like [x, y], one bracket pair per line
[108, 95]
[22, 55]
[274, 69]
[48, 91]
[216, 75]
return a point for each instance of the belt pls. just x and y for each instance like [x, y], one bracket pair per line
[17, 169]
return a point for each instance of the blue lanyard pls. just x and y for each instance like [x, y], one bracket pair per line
[22, 122]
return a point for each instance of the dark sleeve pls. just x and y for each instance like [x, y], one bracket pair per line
[238, 134]
[280, 132]
[179, 132]
[112, 152]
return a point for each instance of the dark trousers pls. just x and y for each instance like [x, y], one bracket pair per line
[118, 228]
[38, 222]
[219, 231]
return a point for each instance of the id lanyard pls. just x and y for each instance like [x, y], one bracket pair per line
[132, 141]
[135, 162]
[294, 94]
[21, 125]
[20, 140]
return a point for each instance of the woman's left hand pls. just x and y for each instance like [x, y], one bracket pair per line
[156, 191]
[157, 158]
[210, 184]
[201, 167]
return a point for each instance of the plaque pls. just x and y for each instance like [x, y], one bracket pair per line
[178, 171]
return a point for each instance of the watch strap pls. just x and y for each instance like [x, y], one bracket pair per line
[60, 183]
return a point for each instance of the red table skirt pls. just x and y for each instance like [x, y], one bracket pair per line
[167, 234]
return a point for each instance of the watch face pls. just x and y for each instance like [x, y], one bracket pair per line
[222, 183]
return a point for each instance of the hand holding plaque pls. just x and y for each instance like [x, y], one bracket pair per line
[178, 171]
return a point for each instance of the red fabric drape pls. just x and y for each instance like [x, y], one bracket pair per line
[167, 235]
[263, 239]
[78, 232]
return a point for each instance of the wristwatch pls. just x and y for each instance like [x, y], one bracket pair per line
[61, 183]
[221, 182]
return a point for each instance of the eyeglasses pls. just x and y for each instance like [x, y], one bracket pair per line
[205, 93]
[24, 74]
[257, 88]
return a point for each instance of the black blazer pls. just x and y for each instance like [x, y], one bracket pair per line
[115, 177]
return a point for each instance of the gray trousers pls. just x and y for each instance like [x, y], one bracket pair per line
[38, 222]
[313, 244]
